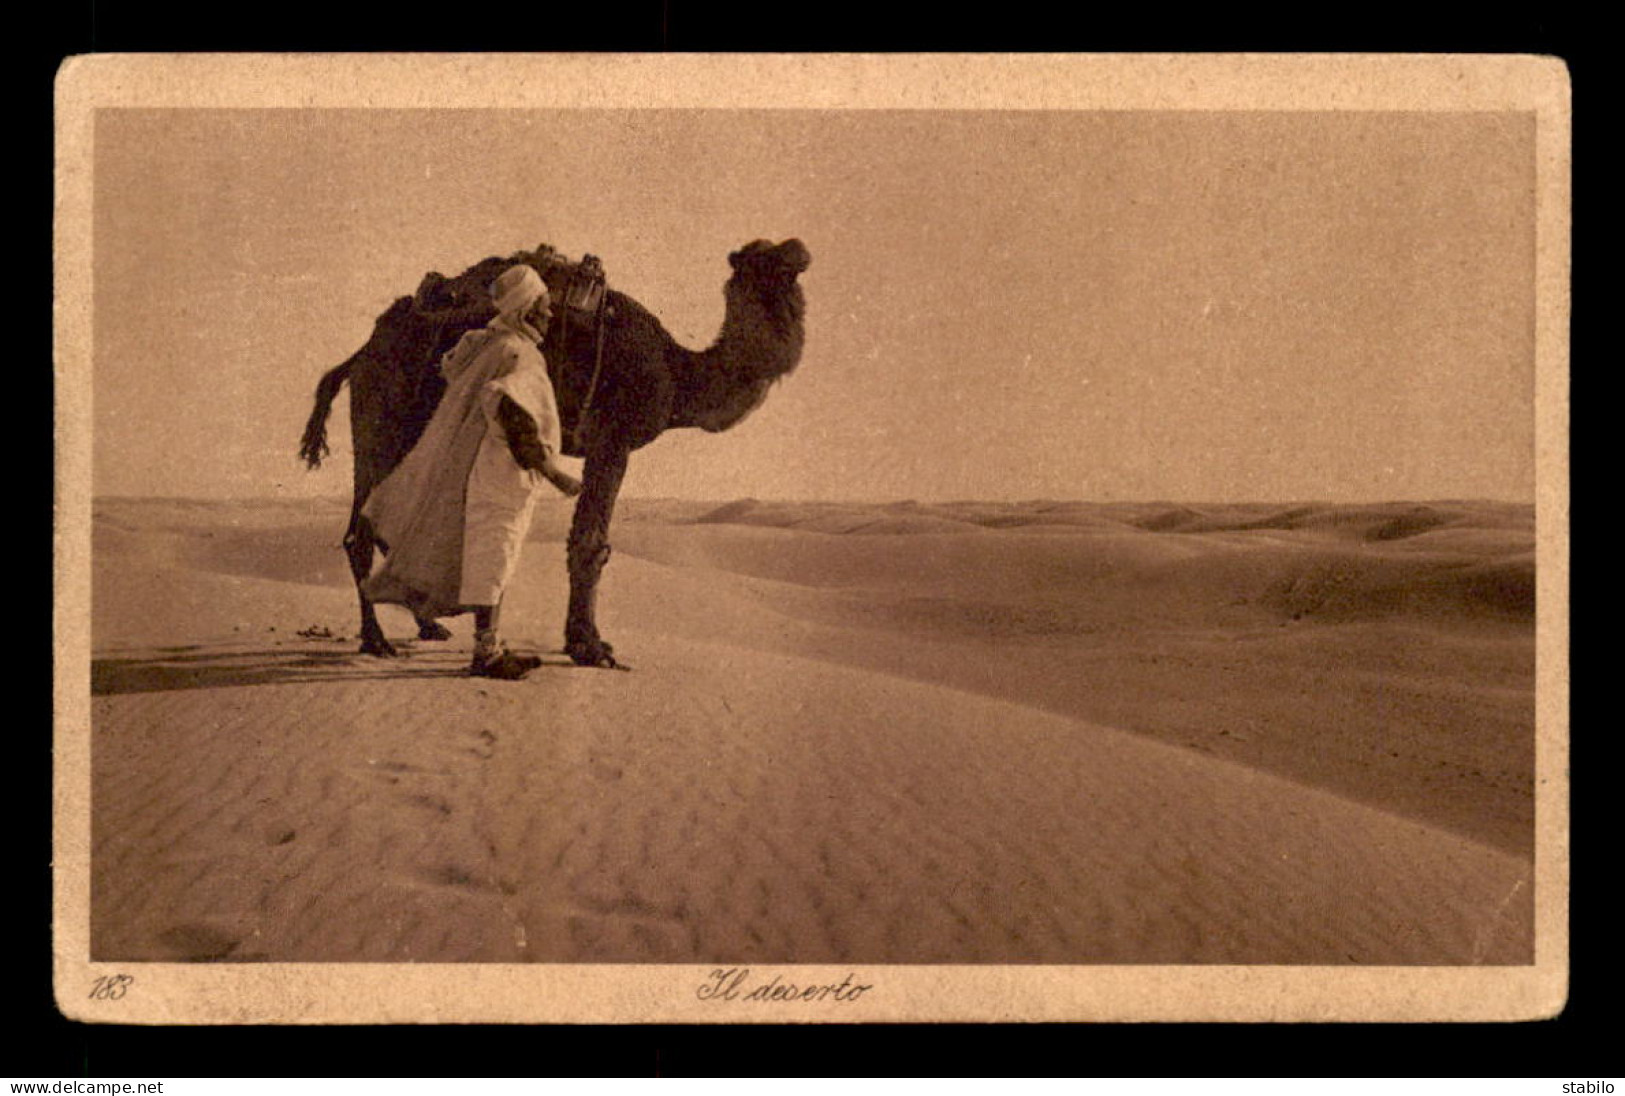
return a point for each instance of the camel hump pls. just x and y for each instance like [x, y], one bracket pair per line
[431, 295]
[397, 313]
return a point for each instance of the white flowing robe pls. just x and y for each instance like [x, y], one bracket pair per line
[455, 513]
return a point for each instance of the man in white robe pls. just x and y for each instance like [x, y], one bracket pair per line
[455, 513]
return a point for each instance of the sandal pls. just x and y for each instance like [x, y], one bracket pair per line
[502, 664]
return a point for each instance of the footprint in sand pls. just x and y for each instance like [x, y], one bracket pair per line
[604, 770]
[198, 943]
[430, 802]
[452, 875]
[391, 772]
[594, 924]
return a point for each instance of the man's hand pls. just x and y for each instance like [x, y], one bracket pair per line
[528, 450]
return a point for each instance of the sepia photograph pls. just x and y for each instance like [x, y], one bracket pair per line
[763, 539]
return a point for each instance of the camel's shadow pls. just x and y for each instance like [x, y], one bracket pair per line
[174, 668]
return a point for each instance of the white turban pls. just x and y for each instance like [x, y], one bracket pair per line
[516, 289]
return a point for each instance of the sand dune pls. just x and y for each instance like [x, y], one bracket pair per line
[867, 733]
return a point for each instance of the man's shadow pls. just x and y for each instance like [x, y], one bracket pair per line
[168, 669]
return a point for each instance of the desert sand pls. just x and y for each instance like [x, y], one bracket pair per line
[1037, 732]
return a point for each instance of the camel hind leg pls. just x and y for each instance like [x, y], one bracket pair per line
[431, 629]
[359, 544]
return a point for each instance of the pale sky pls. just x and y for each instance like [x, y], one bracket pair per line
[1001, 305]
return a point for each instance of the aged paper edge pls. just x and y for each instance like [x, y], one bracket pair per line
[410, 993]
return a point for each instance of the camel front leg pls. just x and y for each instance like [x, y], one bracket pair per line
[588, 551]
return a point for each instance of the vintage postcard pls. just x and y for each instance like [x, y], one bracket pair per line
[811, 538]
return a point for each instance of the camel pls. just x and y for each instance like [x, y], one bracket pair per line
[645, 385]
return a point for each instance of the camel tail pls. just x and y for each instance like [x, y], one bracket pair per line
[313, 446]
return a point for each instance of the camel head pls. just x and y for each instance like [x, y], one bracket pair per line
[762, 334]
[761, 258]
[763, 293]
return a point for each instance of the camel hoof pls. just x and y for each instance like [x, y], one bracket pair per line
[597, 654]
[434, 631]
[379, 648]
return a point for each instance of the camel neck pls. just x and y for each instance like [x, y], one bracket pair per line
[761, 334]
[760, 341]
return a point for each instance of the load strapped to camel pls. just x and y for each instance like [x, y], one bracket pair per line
[579, 288]
[580, 291]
